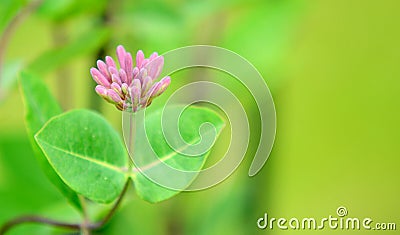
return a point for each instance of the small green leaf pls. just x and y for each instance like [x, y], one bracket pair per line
[87, 153]
[40, 106]
[190, 121]
[86, 43]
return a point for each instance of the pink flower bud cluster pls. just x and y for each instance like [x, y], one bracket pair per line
[130, 88]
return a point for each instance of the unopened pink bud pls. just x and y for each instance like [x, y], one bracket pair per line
[124, 88]
[147, 82]
[145, 62]
[129, 65]
[129, 87]
[142, 74]
[117, 88]
[110, 62]
[103, 69]
[135, 73]
[164, 83]
[114, 75]
[155, 66]
[137, 83]
[135, 93]
[153, 56]
[153, 90]
[114, 96]
[139, 59]
[123, 76]
[99, 78]
[121, 56]
[102, 91]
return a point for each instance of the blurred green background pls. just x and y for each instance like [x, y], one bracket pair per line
[332, 67]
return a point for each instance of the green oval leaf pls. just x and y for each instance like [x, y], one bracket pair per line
[87, 153]
[40, 106]
[189, 123]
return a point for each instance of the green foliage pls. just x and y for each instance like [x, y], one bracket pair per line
[87, 154]
[66, 9]
[25, 189]
[261, 31]
[189, 122]
[40, 106]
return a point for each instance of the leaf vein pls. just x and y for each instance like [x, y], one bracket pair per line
[87, 158]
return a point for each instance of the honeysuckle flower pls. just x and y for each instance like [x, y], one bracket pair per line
[127, 87]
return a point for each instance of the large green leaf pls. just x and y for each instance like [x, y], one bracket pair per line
[40, 106]
[84, 44]
[151, 141]
[87, 153]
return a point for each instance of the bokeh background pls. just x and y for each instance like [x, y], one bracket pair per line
[333, 70]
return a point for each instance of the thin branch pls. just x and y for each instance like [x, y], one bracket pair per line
[110, 214]
[86, 220]
[37, 219]
[85, 226]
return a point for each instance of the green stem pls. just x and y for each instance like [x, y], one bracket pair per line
[132, 133]
[85, 226]
[37, 219]
[111, 213]
[86, 219]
